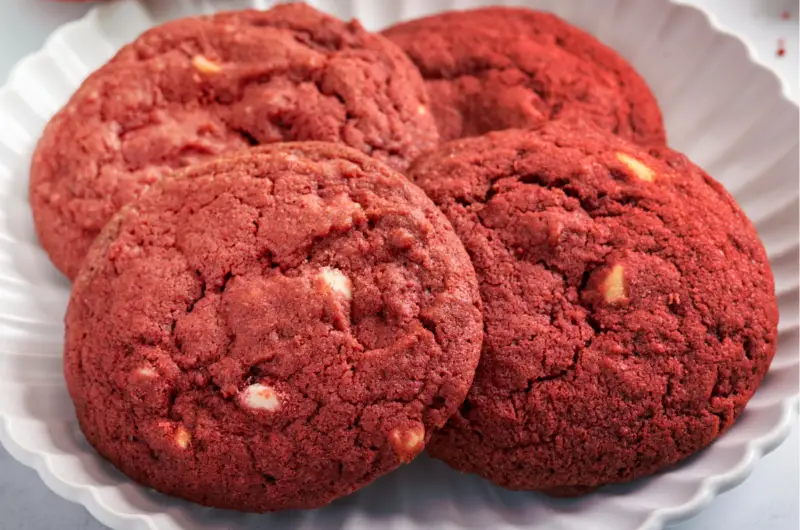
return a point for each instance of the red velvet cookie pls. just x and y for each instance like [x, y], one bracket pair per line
[629, 306]
[192, 89]
[499, 68]
[272, 330]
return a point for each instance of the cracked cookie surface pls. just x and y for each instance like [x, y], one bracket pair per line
[199, 87]
[629, 306]
[272, 330]
[498, 68]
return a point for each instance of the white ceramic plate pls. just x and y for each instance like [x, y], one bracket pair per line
[725, 111]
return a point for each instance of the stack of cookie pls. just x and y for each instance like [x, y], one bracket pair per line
[302, 252]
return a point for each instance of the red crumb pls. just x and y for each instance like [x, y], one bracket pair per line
[785, 15]
[781, 51]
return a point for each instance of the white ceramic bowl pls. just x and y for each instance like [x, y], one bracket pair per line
[725, 111]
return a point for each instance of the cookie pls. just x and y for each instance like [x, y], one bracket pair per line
[629, 306]
[499, 68]
[272, 330]
[195, 88]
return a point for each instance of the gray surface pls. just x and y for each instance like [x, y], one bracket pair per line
[770, 498]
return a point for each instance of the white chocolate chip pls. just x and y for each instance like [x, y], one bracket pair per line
[180, 434]
[673, 299]
[258, 396]
[422, 110]
[408, 443]
[614, 285]
[205, 66]
[146, 372]
[143, 374]
[342, 211]
[182, 437]
[642, 171]
[337, 282]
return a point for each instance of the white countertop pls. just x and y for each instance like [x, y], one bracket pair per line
[769, 499]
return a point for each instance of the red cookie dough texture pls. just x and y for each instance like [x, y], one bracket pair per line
[272, 330]
[195, 88]
[629, 306]
[499, 68]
